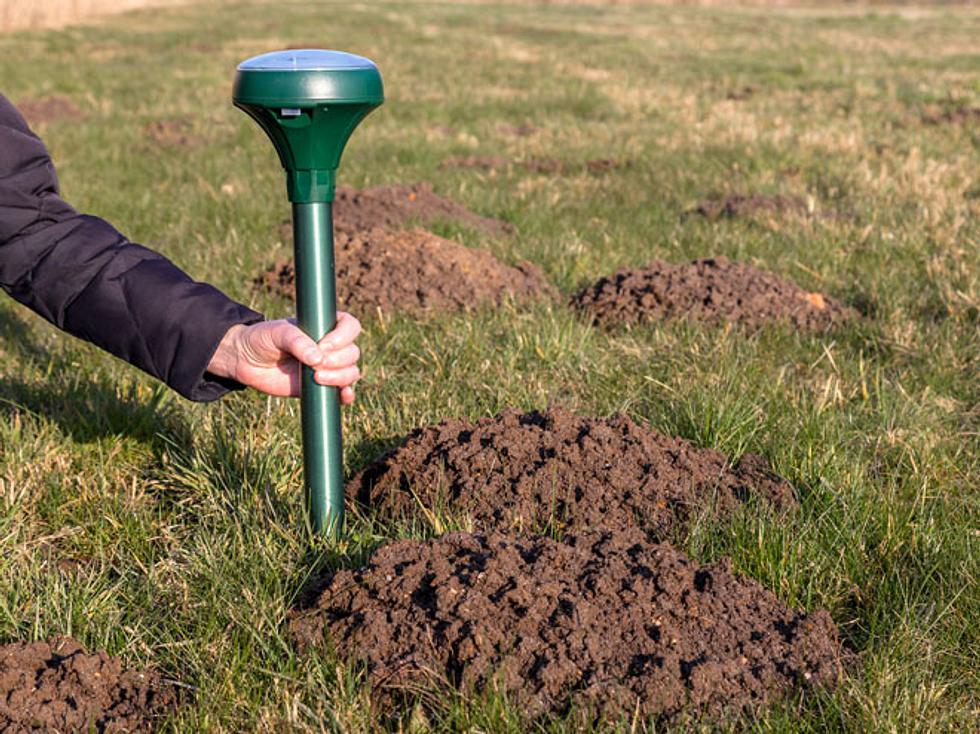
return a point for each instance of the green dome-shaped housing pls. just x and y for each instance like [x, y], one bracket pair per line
[308, 101]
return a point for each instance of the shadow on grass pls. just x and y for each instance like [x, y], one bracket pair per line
[89, 409]
[86, 407]
[16, 334]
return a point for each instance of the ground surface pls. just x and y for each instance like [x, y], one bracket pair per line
[835, 148]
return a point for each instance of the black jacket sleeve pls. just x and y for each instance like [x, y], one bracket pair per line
[82, 275]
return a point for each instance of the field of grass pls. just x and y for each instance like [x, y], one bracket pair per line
[172, 534]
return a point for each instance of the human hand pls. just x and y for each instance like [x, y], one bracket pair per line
[268, 355]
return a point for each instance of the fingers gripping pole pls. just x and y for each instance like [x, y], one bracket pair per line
[316, 304]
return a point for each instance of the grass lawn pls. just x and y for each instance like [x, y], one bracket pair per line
[172, 534]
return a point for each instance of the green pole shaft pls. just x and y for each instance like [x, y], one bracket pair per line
[316, 306]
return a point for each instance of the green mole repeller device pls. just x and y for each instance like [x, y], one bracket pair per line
[309, 102]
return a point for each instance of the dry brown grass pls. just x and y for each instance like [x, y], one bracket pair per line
[21, 14]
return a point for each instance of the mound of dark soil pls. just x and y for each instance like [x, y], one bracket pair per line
[742, 93]
[55, 687]
[479, 162]
[523, 130]
[605, 621]
[561, 471]
[413, 272]
[713, 289]
[41, 110]
[172, 134]
[395, 206]
[745, 205]
[952, 115]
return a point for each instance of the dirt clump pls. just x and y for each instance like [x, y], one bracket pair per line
[952, 116]
[742, 93]
[55, 686]
[747, 205]
[523, 130]
[711, 290]
[414, 271]
[42, 110]
[398, 205]
[605, 165]
[604, 621]
[477, 162]
[551, 166]
[172, 134]
[560, 471]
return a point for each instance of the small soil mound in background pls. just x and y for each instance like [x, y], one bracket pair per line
[172, 134]
[395, 206]
[742, 93]
[413, 272]
[561, 471]
[49, 109]
[55, 686]
[523, 130]
[713, 290]
[604, 621]
[478, 162]
[952, 116]
[745, 205]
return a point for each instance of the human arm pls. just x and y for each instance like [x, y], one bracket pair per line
[81, 274]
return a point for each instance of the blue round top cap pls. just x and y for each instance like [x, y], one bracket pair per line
[304, 78]
[306, 59]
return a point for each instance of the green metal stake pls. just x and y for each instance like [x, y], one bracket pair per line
[309, 102]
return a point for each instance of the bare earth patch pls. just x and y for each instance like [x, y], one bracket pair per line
[715, 290]
[605, 621]
[961, 115]
[415, 272]
[746, 205]
[172, 134]
[42, 110]
[54, 686]
[522, 130]
[563, 472]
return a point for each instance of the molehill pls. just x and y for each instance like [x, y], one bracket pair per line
[716, 290]
[559, 471]
[604, 621]
[414, 272]
[54, 686]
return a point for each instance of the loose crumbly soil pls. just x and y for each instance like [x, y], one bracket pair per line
[523, 130]
[398, 205]
[43, 110]
[742, 93]
[712, 290]
[172, 134]
[54, 686]
[747, 205]
[952, 116]
[562, 472]
[605, 621]
[414, 272]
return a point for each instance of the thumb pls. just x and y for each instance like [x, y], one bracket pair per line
[291, 341]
